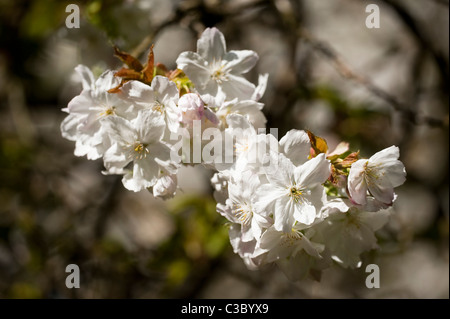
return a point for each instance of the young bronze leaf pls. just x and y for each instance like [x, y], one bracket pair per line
[318, 144]
[147, 72]
[128, 74]
[129, 60]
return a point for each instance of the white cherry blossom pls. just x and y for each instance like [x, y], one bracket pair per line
[82, 125]
[161, 95]
[294, 193]
[138, 142]
[379, 175]
[215, 71]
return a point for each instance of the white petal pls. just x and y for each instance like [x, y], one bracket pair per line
[119, 129]
[166, 90]
[270, 239]
[115, 159]
[149, 126]
[390, 153]
[80, 104]
[357, 186]
[87, 78]
[105, 82]
[313, 172]
[382, 190]
[239, 62]
[284, 214]
[280, 172]
[137, 92]
[261, 87]
[238, 121]
[394, 171]
[304, 213]
[296, 146]
[211, 45]
[69, 126]
[237, 87]
[265, 198]
[374, 220]
[195, 68]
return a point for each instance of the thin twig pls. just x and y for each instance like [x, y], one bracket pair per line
[345, 71]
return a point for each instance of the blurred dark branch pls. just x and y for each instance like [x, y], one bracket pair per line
[443, 2]
[198, 11]
[423, 41]
[345, 71]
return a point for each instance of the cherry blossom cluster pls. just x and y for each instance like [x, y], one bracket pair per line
[291, 201]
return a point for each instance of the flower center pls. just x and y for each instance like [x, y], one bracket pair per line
[140, 151]
[243, 213]
[371, 174]
[289, 239]
[158, 106]
[111, 110]
[219, 75]
[296, 194]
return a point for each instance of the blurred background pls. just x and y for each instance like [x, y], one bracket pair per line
[328, 73]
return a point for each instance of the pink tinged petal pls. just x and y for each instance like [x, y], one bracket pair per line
[341, 148]
[211, 116]
[296, 146]
[87, 78]
[313, 172]
[195, 68]
[357, 186]
[149, 126]
[211, 45]
[239, 62]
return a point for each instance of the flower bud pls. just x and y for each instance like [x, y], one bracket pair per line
[191, 108]
[165, 187]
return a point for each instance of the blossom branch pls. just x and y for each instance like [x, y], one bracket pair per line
[345, 71]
